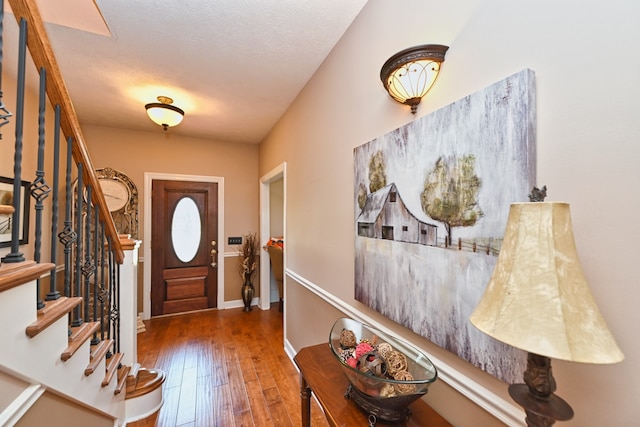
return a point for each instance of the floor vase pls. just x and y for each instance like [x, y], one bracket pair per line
[247, 294]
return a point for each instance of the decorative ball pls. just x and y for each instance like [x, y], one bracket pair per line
[353, 362]
[388, 390]
[404, 388]
[384, 349]
[363, 348]
[373, 364]
[347, 338]
[396, 362]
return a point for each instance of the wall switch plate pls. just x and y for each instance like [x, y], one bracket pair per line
[235, 240]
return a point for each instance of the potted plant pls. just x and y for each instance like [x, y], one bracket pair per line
[249, 252]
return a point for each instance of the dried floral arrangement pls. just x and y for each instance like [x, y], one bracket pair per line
[249, 252]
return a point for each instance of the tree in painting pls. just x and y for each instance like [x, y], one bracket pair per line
[450, 193]
[377, 173]
[362, 195]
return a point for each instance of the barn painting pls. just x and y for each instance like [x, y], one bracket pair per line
[431, 203]
[385, 216]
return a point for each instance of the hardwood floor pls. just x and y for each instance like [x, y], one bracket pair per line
[224, 368]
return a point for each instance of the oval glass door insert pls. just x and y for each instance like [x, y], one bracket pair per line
[186, 231]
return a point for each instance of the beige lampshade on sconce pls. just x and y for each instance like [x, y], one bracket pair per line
[538, 300]
[409, 74]
[164, 113]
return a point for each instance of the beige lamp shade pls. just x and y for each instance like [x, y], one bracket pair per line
[538, 299]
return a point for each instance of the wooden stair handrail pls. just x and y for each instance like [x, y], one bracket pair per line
[43, 57]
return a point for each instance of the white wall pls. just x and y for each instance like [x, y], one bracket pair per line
[586, 59]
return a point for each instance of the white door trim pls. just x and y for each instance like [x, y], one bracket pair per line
[146, 217]
[279, 172]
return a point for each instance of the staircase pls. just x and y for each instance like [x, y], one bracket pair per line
[45, 360]
[38, 352]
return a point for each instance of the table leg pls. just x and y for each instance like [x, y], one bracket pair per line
[305, 402]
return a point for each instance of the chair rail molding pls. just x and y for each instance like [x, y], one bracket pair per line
[495, 405]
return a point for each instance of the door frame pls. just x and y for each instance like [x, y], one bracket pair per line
[146, 252]
[275, 174]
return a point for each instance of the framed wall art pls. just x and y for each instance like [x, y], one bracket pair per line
[431, 203]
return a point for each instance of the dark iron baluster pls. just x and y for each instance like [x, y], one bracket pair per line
[68, 236]
[54, 294]
[77, 318]
[4, 113]
[115, 311]
[111, 271]
[102, 293]
[15, 255]
[39, 188]
[96, 263]
[87, 267]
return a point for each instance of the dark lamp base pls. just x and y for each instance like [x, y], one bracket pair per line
[554, 408]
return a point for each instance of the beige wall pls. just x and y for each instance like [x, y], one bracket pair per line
[276, 208]
[52, 410]
[134, 153]
[11, 388]
[586, 62]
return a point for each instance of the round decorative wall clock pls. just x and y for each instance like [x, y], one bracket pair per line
[121, 196]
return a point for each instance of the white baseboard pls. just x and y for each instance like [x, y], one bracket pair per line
[238, 303]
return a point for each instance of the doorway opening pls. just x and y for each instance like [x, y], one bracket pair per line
[272, 225]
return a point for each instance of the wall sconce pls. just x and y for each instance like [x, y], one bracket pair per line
[163, 113]
[409, 74]
[538, 300]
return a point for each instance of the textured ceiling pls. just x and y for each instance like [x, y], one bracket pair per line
[233, 66]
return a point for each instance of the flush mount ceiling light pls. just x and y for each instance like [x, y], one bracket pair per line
[163, 113]
[409, 74]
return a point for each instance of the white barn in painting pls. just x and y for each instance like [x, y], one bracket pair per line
[385, 216]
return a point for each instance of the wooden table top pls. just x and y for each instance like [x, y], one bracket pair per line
[328, 383]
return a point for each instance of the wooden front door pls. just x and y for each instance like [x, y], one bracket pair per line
[184, 246]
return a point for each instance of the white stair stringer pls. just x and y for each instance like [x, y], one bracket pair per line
[37, 360]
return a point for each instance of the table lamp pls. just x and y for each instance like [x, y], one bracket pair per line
[539, 301]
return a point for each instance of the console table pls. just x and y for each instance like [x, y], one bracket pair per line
[320, 374]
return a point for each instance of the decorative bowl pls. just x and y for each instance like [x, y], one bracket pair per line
[385, 374]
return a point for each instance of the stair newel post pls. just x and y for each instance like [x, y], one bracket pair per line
[39, 188]
[54, 294]
[77, 318]
[87, 267]
[68, 236]
[15, 255]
